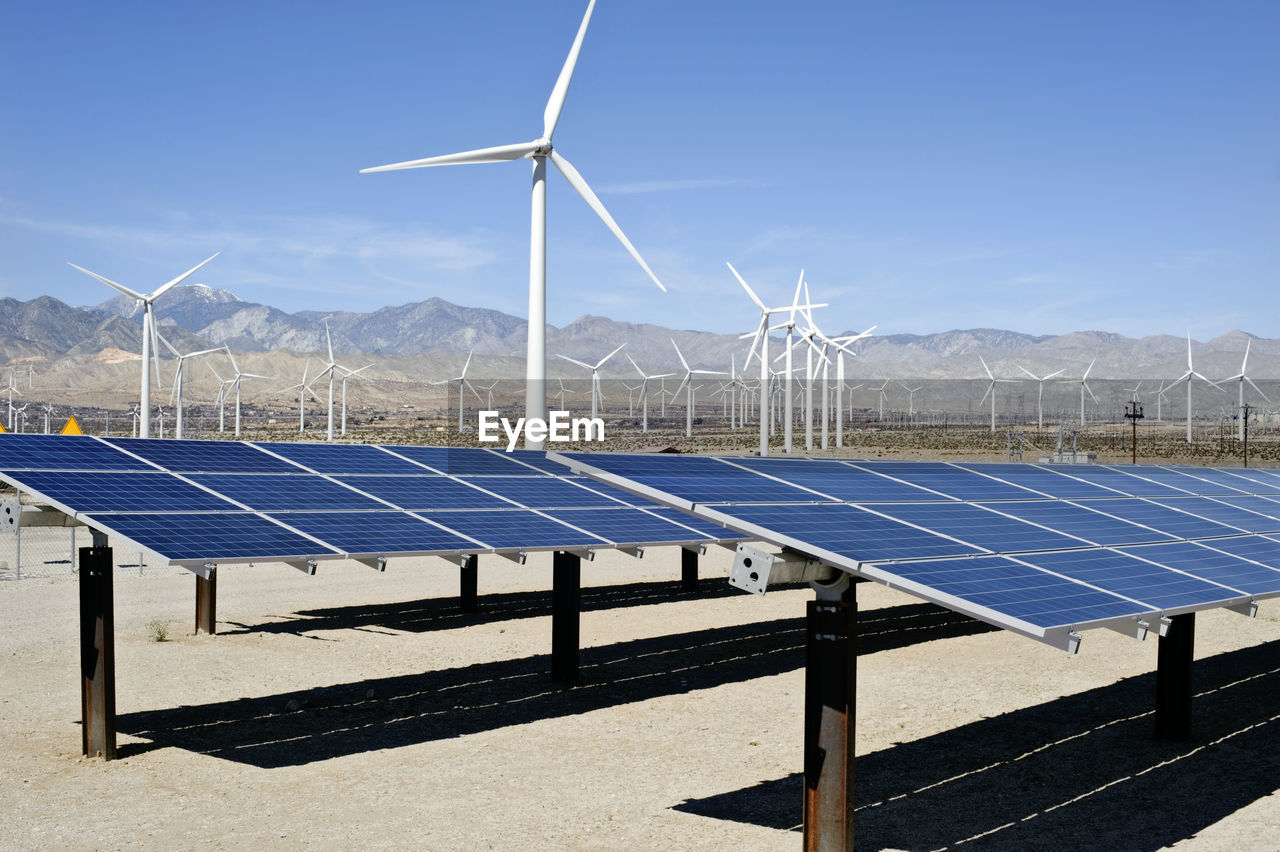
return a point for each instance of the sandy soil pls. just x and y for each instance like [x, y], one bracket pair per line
[352, 709]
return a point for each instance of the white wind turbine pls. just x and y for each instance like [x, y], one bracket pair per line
[463, 384]
[12, 389]
[48, 411]
[540, 150]
[303, 388]
[1133, 392]
[911, 400]
[1241, 378]
[991, 390]
[175, 393]
[220, 401]
[1084, 386]
[488, 389]
[841, 345]
[883, 396]
[234, 382]
[563, 391]
[644, 393]
[688, 383]
[1186, 377]
[1161, 397]
[148, 329]
[347, 374]
[1040, 380]
[596, 396]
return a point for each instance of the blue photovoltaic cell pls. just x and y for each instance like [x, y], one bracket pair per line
[542, 492]
[624, 525]
[514, 529]
[949, 480]
[375, 532]
[1048, 482]
[703, 530]
[1207, 562]
[847, 530]
[463, 461]
[538, 459]
[839, 480]
[62, 452]
[598, 487]
[1081, 521]
[1121, 574]
[342, 458]
[1162, 518]
[212, 537]
[431, 491]
[277, 493]
[204, 456]
[121, 492]
[978, 527]
[1257, 548]
[1184, 482]
[1016, 590]
[1264, 475]
[1131, 484]
[1243, 519]
[1268, 506]
[1211, 482]
[1252, 481]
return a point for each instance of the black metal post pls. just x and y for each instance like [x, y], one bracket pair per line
[830, 699]
[566, 605]
[1246, 434]
[207, 602]
[469, 584]
[97, 652]
[688, 569]
[1173, 678]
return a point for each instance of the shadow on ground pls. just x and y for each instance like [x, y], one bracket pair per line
[1082, 770]
[300, 727]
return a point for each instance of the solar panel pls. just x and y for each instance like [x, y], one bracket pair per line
[278, 492]
[203, 456]
[1037, 550]
[342, 458]
[425, 492]
[375, 532]
[624, 525]
[840, 481]
[93, 491]
[229, 537]
[467, 462]
[64, 452]
[509, 530]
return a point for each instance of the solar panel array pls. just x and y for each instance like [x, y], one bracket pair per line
[1041, 550]
[195, 502]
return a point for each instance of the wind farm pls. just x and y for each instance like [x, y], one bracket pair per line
[1022, 398]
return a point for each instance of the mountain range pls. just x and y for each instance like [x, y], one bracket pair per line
[198, 316]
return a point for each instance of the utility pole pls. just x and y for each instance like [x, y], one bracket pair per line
[1133, 411]
[1245, 412]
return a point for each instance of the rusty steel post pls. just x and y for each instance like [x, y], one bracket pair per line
[97, 652]
[688, 569]
[1174, 659]
[830, 700]
[566, 605]
[469, 585]
[207, 602]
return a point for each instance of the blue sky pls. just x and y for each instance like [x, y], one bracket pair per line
[1043, 167]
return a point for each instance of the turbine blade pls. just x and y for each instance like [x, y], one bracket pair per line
[990, 389]
[1256, 388]
[683, 362]
[576, 361]
[637, 366]
[1029, 373]
[498, 154]
[174, 282]
[1090, 367]
[746, 287]
[551, 115]
[166, 342]
[1055, 373]
[795, 300]
[607, 357]
[1090, 390]
[109, 282]
[988, 369]
[578, 183]
[466, 365]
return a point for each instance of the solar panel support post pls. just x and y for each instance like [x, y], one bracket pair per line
[97, 651]
[566, 606]
[469, 583]
[830, 700]
[689, 569]
[207, 601]
[1173, 678]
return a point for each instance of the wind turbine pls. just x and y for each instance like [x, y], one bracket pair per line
[1186, 377]
[991, 391]
[48, 410]
[176, 391]
[148, 329]
[911, 400]
[563, 391]
[1040, 380]
[22, 422]
[221, 399]
[644, 393]
[1241, 378]
[234, 381]
[1084, 386]
[350, 373]
[1133, 392]
[883, 396]
[486, 388]
[540, 150]
[596, 396]
[303, 389]
[461, 379]
[688, 383]
[1161, 398]
[12, 389]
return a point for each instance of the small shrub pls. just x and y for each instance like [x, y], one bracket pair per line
[158, 630]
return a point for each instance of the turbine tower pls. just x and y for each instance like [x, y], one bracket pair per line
[539, 150]
[688, 383]
[991, 391]
[644, 393]
[176, 391]
[1186, 377]
[1084, 386]
[148, 329]
[463, 384]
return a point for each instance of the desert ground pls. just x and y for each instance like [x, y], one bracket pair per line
[356, 709]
